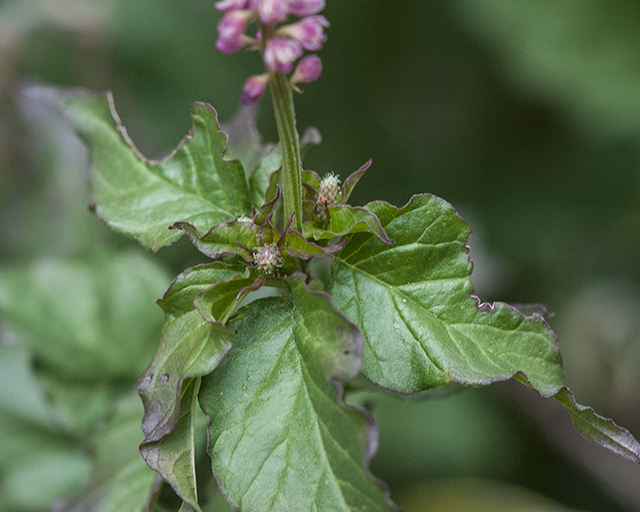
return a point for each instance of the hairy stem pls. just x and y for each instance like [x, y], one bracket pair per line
[291, 170]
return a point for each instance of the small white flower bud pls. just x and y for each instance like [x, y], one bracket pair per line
[267, 258]
[329, 191]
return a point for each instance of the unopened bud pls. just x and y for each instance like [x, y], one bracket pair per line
[329, 190]
[267, 258]
[308, 70]
[254, 88]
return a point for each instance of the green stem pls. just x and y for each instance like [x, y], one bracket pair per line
[291, 170]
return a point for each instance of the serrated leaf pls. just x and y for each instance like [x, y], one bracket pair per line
[217, 302]
[343, 220]
[190, 347]
[412, 301]
[423, 327]
[280, 436]
[221, 239]
[179, 298]
[120, 479]
[141, 198]
[599, 429]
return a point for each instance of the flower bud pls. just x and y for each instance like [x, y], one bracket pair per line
[308, 70]
[272, 11]
[267, 259]
[309, 31]
[281, 53]
[302, 8]
[231, 29]
[254, 88]
[329, 190]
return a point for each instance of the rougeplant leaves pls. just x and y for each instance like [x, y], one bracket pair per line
[412, 301]
[601, 430]
[141, 198]
[192, 343]
[221, 239]
[173, 456]
[280, 436]
[189, 347]
[423, 327]
[343, 220]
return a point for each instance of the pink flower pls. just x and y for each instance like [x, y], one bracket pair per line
[231, 29]
[281, 53]
[254, 88]
[308, 70]
[302, 8]
[227, 5]
[272, 11]
[309, 31]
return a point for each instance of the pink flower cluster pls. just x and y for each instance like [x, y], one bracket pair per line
[281, 46]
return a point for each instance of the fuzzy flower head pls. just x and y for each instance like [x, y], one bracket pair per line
[329, 191]
[267, 259]
[281, 46]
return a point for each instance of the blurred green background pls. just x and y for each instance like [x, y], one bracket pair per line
[524, 114]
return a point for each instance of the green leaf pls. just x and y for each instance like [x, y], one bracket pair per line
[141, 198]
[221, 239]
[412, 301]
[173, 456]
[280, 437]
[601, 430]
[120, 479]
[260, 177]
[218, 302]
[87, 320]
[190, 347]
[245, 142]
[423, 327]
[343, 220]
[352, 180]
